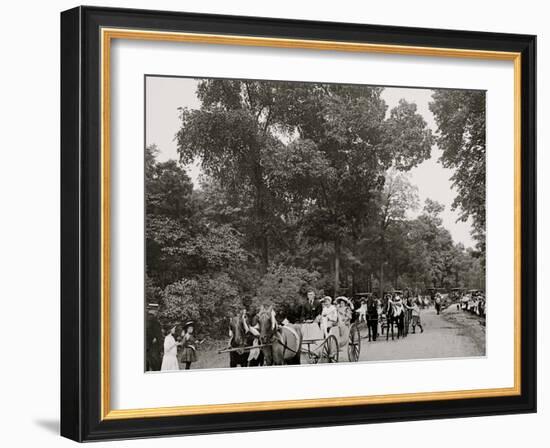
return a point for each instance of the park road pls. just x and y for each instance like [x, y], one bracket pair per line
[453, 333]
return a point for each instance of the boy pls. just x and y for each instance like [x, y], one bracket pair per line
[415, 316]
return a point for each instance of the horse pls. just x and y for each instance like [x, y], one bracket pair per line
[240, 338]
[281, 344]
[394, 316]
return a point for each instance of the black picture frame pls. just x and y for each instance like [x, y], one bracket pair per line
[81, 224]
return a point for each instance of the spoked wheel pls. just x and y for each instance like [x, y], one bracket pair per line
[354, 344]
[312, 357]
[330, 349]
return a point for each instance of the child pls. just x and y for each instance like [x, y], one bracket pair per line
[188, 344]
[415, 316]
[362, 311]
[329, 316]
[170, 360]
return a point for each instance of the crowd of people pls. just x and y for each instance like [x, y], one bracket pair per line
[473, 301]
[374, 312]
[176, 348]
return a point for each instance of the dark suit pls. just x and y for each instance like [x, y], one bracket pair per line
[309, 311]
[153, 340]
[372, 320]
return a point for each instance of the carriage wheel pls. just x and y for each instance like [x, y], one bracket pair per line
[330, 349]
[354, 344]
[312, 357]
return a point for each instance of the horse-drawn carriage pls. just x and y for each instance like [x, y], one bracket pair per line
[340, 338]
[286, 343]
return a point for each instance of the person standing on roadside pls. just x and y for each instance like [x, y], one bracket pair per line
[438, 303]
[170, 358]
[415, 318]
[153, 339]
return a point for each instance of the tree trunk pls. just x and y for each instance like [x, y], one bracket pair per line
[265, 253]
[261, 220]
[336, 266]
[382, 281]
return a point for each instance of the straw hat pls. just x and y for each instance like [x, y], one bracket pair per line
[345, 300]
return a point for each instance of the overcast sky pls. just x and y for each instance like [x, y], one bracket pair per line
[164, 95]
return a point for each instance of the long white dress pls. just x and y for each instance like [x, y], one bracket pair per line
[170, 359]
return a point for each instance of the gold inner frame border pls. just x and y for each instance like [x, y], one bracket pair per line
[107, 36]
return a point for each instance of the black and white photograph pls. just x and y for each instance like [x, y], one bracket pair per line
[297, 223]
[267, 224]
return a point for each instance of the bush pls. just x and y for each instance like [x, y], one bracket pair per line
[284, 287]
[207, 300]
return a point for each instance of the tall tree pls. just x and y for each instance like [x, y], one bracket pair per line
[179, 242]
[301, 153]
[460, 118]
[230, 135]
[437, 244]
[397, 197]
[356, 143]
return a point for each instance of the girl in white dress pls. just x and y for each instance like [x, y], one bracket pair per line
[170, 359]
[329, 316]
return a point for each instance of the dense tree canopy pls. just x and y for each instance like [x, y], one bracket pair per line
[302, 186]
[460, 117]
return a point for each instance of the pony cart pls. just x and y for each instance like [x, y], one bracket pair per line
[277, 344]
[341, 338]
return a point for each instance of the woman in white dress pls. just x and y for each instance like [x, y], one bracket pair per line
[170, 359]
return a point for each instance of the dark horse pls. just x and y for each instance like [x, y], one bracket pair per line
[281, 344]
[240, 338]
[394, 317]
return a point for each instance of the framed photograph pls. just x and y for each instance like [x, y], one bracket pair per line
[277, 224]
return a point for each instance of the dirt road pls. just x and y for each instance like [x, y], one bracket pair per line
[453, 333]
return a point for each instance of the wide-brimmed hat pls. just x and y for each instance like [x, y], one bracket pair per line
[326, 299]
[188, 324]
[345, 300]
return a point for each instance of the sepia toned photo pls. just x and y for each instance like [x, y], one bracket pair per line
[294, 223]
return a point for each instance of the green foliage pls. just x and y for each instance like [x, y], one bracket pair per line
[285, 287]
[152, 292]
[168, 189]
[303, 186]
[314, 153]
[179, 241]
[406, 137]
[460, 117]
[205, 299]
